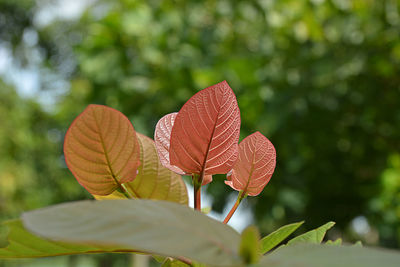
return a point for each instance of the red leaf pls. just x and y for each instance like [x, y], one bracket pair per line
[162, 137]
[101, 149]
[206, 132]
[255, 165]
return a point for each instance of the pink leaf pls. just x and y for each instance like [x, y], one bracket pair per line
[162, 140]
[162, 137]
[204, 139]
[255, 165]
[207, 179]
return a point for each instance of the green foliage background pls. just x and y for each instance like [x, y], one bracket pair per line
[319, 78]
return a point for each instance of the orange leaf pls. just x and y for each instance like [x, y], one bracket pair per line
[101, 149]
[162, 136]
[204, 139]
[255, 165]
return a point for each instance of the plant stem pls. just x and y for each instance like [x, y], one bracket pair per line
[197, 198]
[197, 181]
[187, 261]
[241, 196]
[125, 191]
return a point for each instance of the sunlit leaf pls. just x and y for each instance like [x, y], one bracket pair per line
[274, 238]
[255, 165]
[153, 180]
[162, 136]
[23, 244]
[314, 236]
[316, 255]
[101, 149]
[204, 138]
[159, 227]
[249, 245]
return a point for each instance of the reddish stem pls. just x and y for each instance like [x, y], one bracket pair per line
[197, 181]
[197, 198]
[241, 196]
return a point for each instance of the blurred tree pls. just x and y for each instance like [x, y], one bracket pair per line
[386, 206]
[318, 77]
[32, 171]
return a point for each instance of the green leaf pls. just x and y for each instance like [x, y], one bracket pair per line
[274, 238]
[317, 255]
[250, 245]
[337, 242]
[153, 180]
[155, 227]
[169, 262]
[23, 244]
[206, 210]
[314, 236]
[159, 258]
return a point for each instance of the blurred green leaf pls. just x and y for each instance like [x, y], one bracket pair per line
[159, 227]
[313, 255]
[250, 245]
[23, 244]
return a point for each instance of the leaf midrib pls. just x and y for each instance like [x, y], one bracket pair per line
[203, 170]
[105, 151]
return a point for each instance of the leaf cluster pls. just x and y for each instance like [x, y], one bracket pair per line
[107, 157]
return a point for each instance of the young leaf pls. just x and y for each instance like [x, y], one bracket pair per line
[274, 238]
[162, 136]
[316, 255]
[101, 149]
[314, 236]
[23, 244]
[204, 138]
[255, 165]
[249, 245]
[156, 227]
[153, 180]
